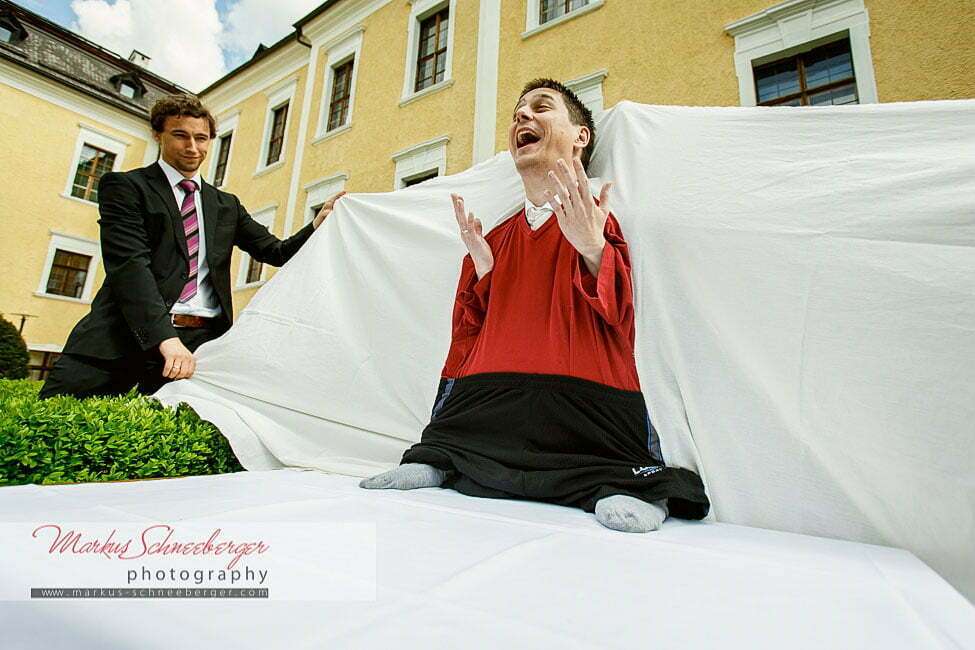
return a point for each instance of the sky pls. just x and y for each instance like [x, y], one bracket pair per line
[191, 42]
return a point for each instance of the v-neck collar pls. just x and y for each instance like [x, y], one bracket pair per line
[542, 229]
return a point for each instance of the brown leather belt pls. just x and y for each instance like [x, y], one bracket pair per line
[185, 320]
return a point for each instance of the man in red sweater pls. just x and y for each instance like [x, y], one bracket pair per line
[539, 397]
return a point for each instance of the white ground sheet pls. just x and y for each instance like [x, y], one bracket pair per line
[458, 572]
[806, 318]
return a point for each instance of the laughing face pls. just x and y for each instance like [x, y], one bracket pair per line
[541, 131]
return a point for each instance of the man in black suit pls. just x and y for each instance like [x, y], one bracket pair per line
[166, 238]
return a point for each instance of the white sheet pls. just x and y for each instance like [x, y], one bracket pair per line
[456, 572]
[806, 318]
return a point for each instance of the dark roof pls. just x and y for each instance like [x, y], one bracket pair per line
[265, 51]
[73, 61]
[262, 52]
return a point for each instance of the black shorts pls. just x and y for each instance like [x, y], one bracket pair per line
[551, 438]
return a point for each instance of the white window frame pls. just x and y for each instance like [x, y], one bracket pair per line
[338, 52]
[95, 137]
[796, 26]
[224, 126]
[321, 190]
[532, 26]
[73, 244]
[420, 10]
[419, 159]
[589, 90]
[283, 93]
[265, 216]
[45, 347]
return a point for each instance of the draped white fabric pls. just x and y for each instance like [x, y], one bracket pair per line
[806, 318]
[457, 572]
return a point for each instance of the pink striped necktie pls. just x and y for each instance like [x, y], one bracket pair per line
[192, 229]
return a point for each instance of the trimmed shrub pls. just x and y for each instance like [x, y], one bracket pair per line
[13, 352]
[66, 440]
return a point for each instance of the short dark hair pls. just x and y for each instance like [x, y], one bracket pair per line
[179, 106]
[578, 113]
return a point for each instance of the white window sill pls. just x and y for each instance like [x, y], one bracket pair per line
[592, 6]
[339, 130]
[54, 296]
[429, 90]
[250, 285]
[82, 201]
[270, 168]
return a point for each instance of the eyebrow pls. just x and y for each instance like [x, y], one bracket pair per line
[185, 132]
[538, 96]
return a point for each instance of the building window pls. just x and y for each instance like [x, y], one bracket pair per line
[431, 61]
[338, 83]
[589, 90]
[423, 176]
[276, 143]
[805, 52]
[421, 162]
[128, 85]
[68, 274]
[338, 109]
[321, 190]
[274, 140]
[551, 9]
[254, 270]
[250, 272]
[92, 165]
[313, 212]
[11, 31]
[819, 77]
[223, 155]
[40, 363]
[69, 267]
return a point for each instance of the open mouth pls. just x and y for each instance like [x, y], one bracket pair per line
[525, 138]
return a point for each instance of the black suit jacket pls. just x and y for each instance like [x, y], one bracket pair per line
[146, 260]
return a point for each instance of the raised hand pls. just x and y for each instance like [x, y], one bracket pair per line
[581, 220]
[472, 234]
[327, 209]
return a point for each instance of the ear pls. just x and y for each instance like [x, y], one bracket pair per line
[582, 138]
[156, 135]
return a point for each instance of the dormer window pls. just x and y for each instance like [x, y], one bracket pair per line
[126, 89]
[11, 31]
[128, 85]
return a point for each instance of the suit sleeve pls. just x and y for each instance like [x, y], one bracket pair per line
[263, 246]
[610, 293]
[126, 254]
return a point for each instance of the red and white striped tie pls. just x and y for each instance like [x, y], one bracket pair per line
[192, 229]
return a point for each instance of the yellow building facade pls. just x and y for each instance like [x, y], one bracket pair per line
[374, 95]
[68, 110]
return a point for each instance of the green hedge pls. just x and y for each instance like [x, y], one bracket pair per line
[66, 440]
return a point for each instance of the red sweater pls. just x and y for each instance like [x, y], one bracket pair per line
[541, 311]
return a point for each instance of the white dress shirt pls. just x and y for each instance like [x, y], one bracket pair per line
[536, 215]
[205, 302]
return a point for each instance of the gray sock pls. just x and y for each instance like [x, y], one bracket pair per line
[405, 477]
[629, 514]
